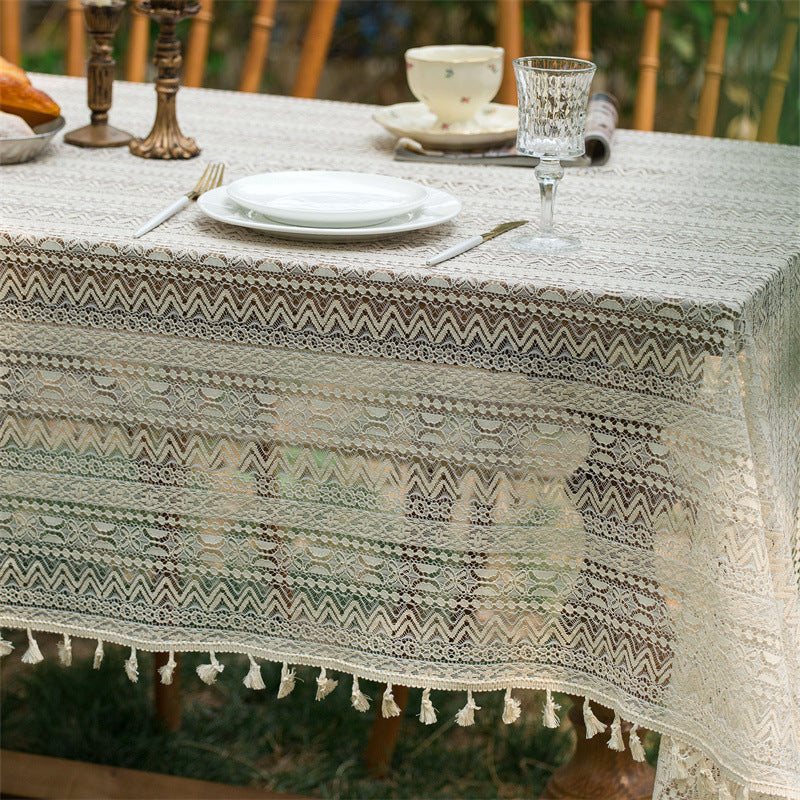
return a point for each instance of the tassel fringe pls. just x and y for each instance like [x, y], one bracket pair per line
[724, 791]
[288, 679]
[466, 716]
[6, 648]
[388, 706]
[637, 751]
[706, 782]
[359, 700]
[511, 708]
[549, 716]
[98, 655]
[208, 672]
[168, 670]
[65, 651]
[427, 713]
[593, 725]
[33, 655]
[616, 741]
[325, 685]
[132, 667]
[253, 679]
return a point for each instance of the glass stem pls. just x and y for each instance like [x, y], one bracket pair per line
[548, 172]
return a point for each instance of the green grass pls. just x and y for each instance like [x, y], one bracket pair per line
[233, 735]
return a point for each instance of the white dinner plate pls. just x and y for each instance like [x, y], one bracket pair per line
[493, 125]
[437, 208]
[322, 199]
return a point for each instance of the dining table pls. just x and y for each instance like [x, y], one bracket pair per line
[573, 473]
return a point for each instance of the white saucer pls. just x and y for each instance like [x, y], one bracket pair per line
[438, 208]
[494, 125]
[323, 199]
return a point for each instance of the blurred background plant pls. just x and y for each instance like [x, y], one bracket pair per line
[366, 65]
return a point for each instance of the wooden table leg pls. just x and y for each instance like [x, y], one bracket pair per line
[384, 733]
[596, 773]
[167, 696]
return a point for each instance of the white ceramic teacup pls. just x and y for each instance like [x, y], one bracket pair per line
[455, 81]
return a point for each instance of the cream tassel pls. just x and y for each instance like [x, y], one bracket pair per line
[511, 708]
[706, 783]
[65, 651]
[253, 679]
[549, 716]
[466, 716]
[33, 655]
[681, 769]
[287, 681]
[637, 751]
[6, 648]
[388, 706]
[427, 713]
[616, 742]
[168, 670]
[593, 725]
[132, 667]
[359, 700]
[325, 685]
[724, 791]
[98, 655]
[208, 672]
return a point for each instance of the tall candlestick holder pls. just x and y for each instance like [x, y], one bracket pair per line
[165, 140]
[102, 19]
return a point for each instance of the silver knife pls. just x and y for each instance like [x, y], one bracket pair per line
[462, 247]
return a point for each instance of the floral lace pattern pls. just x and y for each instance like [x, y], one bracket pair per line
[581, 475]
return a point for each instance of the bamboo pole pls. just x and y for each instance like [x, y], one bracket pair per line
[644, 110]
[709, 97]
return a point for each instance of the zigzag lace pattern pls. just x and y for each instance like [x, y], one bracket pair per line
[440, 479]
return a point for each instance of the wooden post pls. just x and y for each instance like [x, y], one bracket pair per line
[596, 773]
[316, 44]
[582, 36]
[138, 44]
[709, 97]
[258, 47]
[10, 30]
[771, 113]
[384, 733]
[644, 110]
[167, 696]
[509, 37]
[194, 70]
[75, 59]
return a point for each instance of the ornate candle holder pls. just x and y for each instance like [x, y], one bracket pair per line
[102, 19]
[165, 140]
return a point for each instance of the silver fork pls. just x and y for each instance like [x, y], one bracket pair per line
[210, 179]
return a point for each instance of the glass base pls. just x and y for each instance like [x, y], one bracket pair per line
[546, 244]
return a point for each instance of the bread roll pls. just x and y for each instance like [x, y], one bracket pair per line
[18, 96]
[13, 127]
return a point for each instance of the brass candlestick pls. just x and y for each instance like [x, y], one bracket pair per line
[165, 140]
[102, 19]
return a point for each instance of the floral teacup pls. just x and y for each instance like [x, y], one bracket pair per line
[455, 81]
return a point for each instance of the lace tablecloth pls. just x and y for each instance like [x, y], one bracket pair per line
[576, 474]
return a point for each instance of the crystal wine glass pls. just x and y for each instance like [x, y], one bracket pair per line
[552, 96]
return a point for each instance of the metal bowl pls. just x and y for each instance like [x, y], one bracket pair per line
[15, 151]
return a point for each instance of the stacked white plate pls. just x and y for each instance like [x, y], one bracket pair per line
[328, 205]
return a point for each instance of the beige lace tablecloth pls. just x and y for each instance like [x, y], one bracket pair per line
[575, 474]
